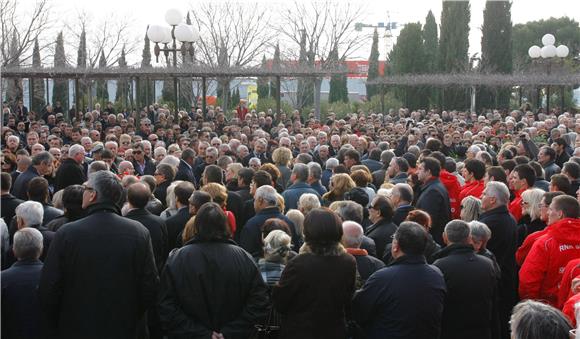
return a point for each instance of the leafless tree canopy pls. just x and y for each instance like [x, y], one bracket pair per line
[26, 27]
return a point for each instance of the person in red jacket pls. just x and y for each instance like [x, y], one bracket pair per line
[523, 251]
[569, 308]
[451, 183]
[542, 270]
[521, 178]
[474, 172]
[567, 285]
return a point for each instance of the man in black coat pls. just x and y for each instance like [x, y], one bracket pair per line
[164, 174]
[199, 301]
[20, 305]
[472, 287]
[41, 165]
[185, 168]
[412, 305]
[383, 228]
[433, 198]
[100, 274]
[245, 176]
[352, 237]
[503, 244]
[142, 163]
[7, 200]
[401, 197]
[71, 171]
[176, 223]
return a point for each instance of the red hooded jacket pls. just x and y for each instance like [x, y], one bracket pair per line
[571, 271]
[523, 251]
[453, 187]
[473, 188]
[541, 273]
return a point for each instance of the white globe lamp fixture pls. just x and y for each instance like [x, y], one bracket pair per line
[548, 39]
[534, 52]
[173, 17]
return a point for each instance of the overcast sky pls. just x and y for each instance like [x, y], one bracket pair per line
[144, 12]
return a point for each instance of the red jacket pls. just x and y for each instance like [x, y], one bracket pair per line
[571, 271]
[523, 251]
[515, 206]
[453, 187]
[541, 274]
[473, 188]
[569, 308]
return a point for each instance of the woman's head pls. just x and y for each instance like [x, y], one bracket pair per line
[341, 183]
[531, 200]
[361, 178]
[282, 156]
[421, 217]
[218, 193]
[277, 245]
[211, 223]
[470, 208]
[322, 230]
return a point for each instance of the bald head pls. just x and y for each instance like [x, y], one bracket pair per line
[352, 234]
[138, 195]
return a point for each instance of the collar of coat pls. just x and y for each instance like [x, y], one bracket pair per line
[453, 249]
[197, 240]
[103, 206]
[409, 259]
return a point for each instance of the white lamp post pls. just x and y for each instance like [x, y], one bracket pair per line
[547, 52]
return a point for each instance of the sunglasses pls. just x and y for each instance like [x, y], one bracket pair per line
[137, 152]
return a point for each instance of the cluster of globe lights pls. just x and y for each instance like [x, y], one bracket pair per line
[184, 33]
[548, 50]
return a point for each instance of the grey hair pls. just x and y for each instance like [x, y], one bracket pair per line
[403, 191]
[28, 243]
[308, 202]
[211, 150]
[331, 163]
[75, 149]
[298, 219]
[42, 157]
[314, 170]
[31, 213]
[479, 231]
[301, 171]
[107, 186]
[268, 194]
[498, 190]
[470, 208]
[277, 245]
[96, 166]
[533, 197]
[350, 241]
[159, 150]
[254, 160]
[171, 160]
[531, 319]
[457, 231]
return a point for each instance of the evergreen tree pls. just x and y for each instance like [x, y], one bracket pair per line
[122, 84]
[146, 86]
[235, 98]
[102, 90]
[305, 88]
[82, 63]
[262, 82]
[408, 57]
[338, 89]
[496, 51]
[14, 91]
[276, 64]
[38, 101]
[60, 88]
[224, 83]
[373, 71]
[453, 48]
[431, 48]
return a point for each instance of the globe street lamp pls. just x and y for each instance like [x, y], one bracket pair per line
[548, 52]
[186, 34]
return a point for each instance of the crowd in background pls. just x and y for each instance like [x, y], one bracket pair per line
[244, 224]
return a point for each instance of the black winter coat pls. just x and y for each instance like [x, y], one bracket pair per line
[69, 173]
[472, 288]
[434, 200]
[211, 286]
[20, 185]
[175, 225]
[99, 277]
[8, 207]
[381, 232]
[184, 173]
[158, 231]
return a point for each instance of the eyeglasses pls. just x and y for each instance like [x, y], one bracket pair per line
[137, 152]
[87, 188]
[524, 203]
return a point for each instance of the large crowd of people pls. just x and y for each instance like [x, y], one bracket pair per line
[403, 224]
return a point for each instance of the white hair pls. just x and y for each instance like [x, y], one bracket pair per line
[499, 191]
[159, 150]
[268, 194]
[352, 239]
[31, 213]
[75, 149]
[14, 137]
[308, 202]
[171, 160]
[27, 243]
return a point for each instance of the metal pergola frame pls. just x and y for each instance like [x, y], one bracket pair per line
[155, 73]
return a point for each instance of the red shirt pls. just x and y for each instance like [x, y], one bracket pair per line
[568, 309]
[515, 206]
[542, 271]
[473, 188]
[453, 187]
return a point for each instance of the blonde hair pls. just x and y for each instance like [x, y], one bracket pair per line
[341, 183]
[298, 219]
[282, 156]
[280, 202]
[218, 193]
[235, 168]
[470, 208]
[277, 246]
[188, 231]
[171, 200]
[533, 197]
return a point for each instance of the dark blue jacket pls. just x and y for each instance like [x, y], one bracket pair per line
[292, 194]
[326, 174]
[20, 186]
[251, 237]
[317, 186]
[372, 165]
[184, 172]
[20, 303]
[434, 200]
[403, 300]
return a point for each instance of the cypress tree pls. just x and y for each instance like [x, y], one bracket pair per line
[496, 51]
[102, 90]
[59, 90]
[453, 48]
[373, 71]
[276, 64]
[14, 91]
[338, 90]
[82, 63]
[235, 98]
[122, 84]
[146, 86]
[262, 82]
[431, 48]
[38, 101]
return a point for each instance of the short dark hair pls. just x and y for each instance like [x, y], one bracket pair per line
[402, 163]
[457, 231]
[275, 224]
[411, 237]
[568, 205]
[262, 178]
[138, 194]
[187, 153]
[38, 190]
[562, 182]
[411, 159]
[353, 154]
[477, 167]
[213, 173]
[167, 171]
[550, 152]
[561, 142]
[72, 200]
[6, 181]
[149, 180]
[526, 172]
[440, 157]
[572, 168]
[322, 229]
[509, 165]
[375, 154]
[507, 154]
[183, 191]
[211, 223]
[383, 205]
[450, 165]
[246, 175]
[432, 164]
[549, 196]
[198, 198]
[521, 159]
[537, 168]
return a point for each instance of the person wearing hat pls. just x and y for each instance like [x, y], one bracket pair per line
[71, 171]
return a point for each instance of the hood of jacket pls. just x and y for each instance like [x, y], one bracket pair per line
[567, 229]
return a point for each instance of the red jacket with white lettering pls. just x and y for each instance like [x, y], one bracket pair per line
[541, 273]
